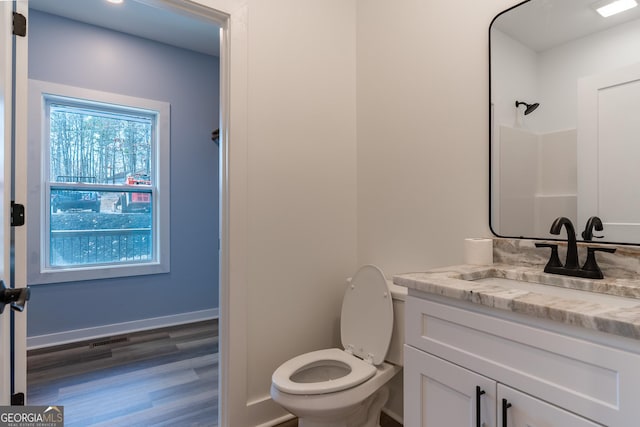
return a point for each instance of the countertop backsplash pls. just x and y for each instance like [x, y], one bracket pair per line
[623, 264]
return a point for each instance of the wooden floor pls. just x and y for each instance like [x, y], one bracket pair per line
[166, 377]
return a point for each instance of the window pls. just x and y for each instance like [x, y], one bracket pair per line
[104, 184]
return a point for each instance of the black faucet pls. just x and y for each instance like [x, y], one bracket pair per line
[590, 269]
[572, 247]
[592, 223]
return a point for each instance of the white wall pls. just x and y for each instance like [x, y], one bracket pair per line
[514, 75]
[301, 179]
[561, 67]
[423, 130]
[292, 190]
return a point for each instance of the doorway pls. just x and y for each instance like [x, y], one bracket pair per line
[103, 309]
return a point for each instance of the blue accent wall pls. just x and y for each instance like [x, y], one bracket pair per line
[72, 53]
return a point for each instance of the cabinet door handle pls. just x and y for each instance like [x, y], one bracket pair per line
[505, 405]
[479, 393]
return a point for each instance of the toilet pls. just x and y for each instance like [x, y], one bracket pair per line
[348, 387]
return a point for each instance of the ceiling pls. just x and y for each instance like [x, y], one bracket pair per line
[543, 24]
[152, 20]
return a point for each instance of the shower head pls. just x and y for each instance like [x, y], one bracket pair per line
[530, 107]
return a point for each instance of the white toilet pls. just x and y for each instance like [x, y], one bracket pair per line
[348, 388]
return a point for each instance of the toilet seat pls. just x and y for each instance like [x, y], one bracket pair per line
[360, 371]
[366, 325]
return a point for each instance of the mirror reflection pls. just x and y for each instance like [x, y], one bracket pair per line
[565, 119]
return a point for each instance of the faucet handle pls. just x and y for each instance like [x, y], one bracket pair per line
[601, 249]
[554, 259]
[588, 237]
[593, 223]
[591, 263]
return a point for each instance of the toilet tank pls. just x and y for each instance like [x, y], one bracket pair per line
[395, 353]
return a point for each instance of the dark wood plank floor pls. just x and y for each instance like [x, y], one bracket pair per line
[166, 377]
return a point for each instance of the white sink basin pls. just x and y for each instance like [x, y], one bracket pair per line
[565, 293]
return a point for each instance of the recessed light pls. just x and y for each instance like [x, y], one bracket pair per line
[607, 8]
[115, 1]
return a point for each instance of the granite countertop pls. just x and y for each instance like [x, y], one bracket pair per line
[616, 311]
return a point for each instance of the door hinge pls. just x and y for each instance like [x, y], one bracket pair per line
[17, 214]
[19, 24]
[17, 399]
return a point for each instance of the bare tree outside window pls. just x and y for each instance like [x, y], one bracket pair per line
[93, 155]
[85, 143]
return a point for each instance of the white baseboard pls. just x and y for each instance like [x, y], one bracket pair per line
[75, 335]
[277, 421]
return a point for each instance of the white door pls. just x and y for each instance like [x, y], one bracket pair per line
[439, 393]
[13, 371]
[6, 74]
[608, 152]
[19, 178]
[521, 410]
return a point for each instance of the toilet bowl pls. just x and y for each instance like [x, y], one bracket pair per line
[348, 387]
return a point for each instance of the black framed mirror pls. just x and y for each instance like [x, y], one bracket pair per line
[565, 119]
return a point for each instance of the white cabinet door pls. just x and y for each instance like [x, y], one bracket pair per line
[438, 393]
[517, 409]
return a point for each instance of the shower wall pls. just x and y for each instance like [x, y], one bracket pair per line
[557, 179]
[518, 181]
[537, 179]
[513, 68]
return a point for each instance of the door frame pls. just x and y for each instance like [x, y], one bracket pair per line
[232, 17]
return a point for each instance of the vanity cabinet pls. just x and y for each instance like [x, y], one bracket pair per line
[523, 410]
[439, 393]
[461, 358]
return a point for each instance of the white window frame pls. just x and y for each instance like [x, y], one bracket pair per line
[38, 210]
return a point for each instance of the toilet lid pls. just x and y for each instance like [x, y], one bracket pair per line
[366, 322]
